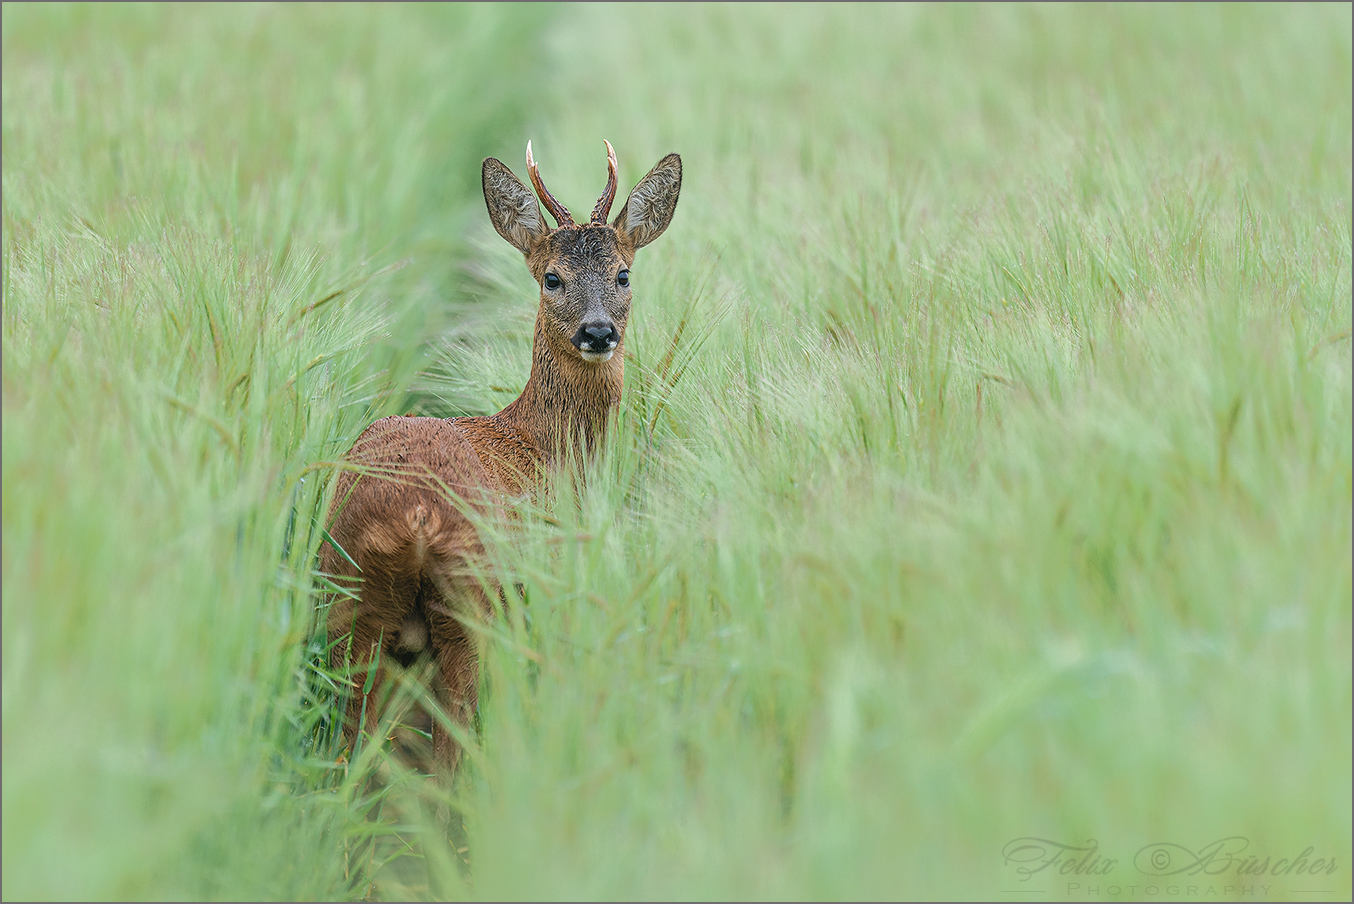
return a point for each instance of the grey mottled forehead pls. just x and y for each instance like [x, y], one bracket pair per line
[590, 245]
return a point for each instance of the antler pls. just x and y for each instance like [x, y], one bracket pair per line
[557, 210]
[603, 207]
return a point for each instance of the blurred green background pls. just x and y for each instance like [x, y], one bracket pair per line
[984, 471]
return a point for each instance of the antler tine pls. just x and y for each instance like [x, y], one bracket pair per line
[557, 210]
[599, 213]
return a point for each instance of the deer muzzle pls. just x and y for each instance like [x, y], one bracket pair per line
[596, 340]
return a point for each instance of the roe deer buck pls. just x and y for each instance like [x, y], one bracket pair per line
[412, 547]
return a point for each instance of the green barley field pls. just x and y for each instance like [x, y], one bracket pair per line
[978, 524]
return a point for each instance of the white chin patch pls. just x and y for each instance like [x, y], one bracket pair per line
[596, 357]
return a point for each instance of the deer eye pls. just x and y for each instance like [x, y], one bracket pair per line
[552, 281]
[623, 277]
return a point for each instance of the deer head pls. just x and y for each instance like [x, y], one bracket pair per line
[583, 268]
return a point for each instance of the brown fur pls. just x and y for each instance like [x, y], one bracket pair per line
[415, 549]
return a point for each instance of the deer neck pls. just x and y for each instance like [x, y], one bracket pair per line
[568, 403]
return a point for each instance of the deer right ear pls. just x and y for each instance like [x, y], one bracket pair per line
[648, 210]
[512, 207]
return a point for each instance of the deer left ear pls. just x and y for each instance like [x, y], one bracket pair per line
[648, 210]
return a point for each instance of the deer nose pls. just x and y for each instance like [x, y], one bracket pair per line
[596, 337]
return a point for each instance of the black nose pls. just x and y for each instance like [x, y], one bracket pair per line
[596, 337]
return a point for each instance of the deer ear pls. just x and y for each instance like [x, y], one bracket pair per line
[648, 210]
[512, 207]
